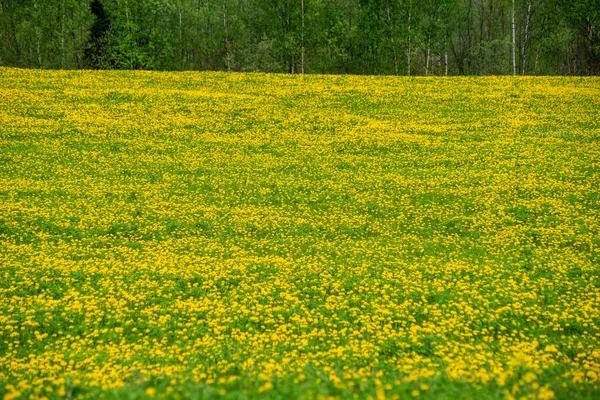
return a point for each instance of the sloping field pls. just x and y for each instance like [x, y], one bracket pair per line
[251, 235]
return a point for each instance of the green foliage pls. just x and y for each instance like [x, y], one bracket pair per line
[430, 37]
[96, 54]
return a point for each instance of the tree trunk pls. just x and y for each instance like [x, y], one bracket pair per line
[181, 48]
[537, 56]
[227, 61]
[513, 49]
[76, 45]
[62, 35]
[130, 35]
[592, 55]
[37, 36]
[302, 40]
[525, 37]
[445, 56]
[408, 46]
[427, 57]
[394, 50]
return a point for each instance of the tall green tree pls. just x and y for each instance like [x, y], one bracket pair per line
[403, 37]
[96, 53]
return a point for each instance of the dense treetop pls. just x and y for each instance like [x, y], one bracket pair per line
[403, 37]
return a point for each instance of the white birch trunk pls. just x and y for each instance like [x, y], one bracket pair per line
[445, 56]
[525, 38]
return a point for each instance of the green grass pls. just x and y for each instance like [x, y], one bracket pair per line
[212, 235]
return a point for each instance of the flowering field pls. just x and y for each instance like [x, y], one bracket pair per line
[247, 235]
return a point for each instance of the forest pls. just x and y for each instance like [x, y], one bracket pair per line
[391, 37]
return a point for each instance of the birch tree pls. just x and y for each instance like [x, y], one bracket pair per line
[513, 40]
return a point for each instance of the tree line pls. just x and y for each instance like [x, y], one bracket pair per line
[402, 37]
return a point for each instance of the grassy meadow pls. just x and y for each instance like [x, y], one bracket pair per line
[214, 235]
